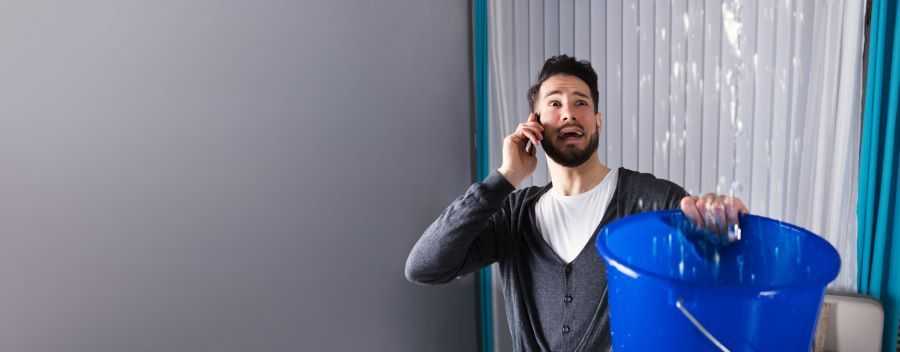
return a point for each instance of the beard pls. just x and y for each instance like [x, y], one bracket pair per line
[571, 156]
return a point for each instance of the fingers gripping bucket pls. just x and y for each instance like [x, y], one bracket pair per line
[670, 291]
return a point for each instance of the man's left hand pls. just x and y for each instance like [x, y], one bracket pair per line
[713, 212]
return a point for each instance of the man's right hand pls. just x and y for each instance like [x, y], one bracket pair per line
[517, 163]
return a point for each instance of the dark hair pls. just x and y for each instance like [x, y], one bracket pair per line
[565, 65]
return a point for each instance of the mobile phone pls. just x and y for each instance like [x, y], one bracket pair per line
[530, 147]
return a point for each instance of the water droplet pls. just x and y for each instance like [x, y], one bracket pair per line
[718, 78]
[732, 108]
[736, 188]
[732, 24]
[665, 143]
[716, 260]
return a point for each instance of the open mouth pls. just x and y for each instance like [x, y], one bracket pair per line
[570, 134]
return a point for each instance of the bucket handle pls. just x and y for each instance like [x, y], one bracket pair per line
[679, 303]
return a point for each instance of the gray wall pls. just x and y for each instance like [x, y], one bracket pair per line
[229, 176]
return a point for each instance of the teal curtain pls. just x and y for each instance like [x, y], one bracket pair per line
[482, 157]
[879, 205]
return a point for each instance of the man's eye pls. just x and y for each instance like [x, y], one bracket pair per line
[555, 103]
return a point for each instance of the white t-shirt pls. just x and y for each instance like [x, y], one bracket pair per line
[568, 222]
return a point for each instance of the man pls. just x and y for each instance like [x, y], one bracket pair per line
[552, 278]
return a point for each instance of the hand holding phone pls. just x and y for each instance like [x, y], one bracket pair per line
[530, 148]
[519, 148]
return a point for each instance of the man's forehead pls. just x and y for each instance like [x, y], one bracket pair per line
[564, 84]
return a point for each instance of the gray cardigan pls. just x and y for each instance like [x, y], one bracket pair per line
[550, 305]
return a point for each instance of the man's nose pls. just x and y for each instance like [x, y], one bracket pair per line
[566, 115]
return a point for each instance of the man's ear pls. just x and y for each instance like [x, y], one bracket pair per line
[599, 117]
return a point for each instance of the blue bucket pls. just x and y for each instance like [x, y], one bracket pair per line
[672, 289]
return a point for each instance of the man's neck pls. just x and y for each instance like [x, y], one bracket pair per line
[576, 180]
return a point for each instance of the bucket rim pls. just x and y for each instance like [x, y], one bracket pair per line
[620, 264]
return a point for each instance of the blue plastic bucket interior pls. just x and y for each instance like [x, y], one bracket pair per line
[770, 255]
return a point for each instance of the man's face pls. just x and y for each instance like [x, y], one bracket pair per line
[571, 127]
